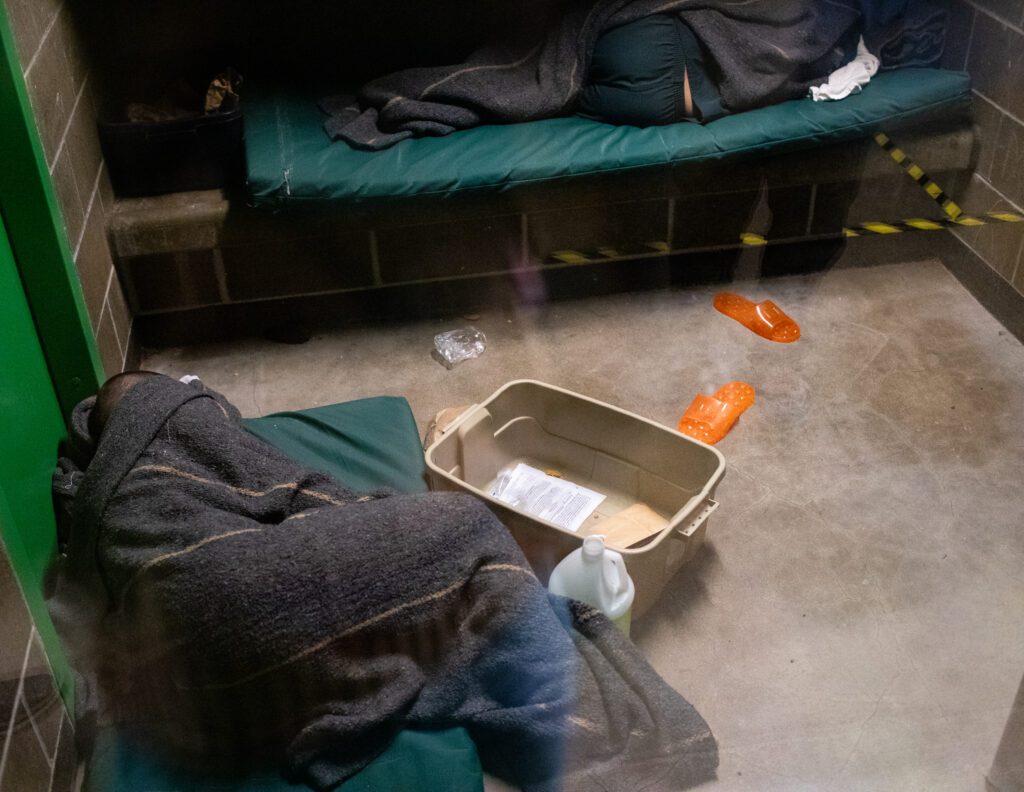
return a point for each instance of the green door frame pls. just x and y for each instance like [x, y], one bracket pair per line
[37, 237]
[49, 350]
[31, 427]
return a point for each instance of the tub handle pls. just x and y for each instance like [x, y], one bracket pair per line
[690, 528]
[457, 423]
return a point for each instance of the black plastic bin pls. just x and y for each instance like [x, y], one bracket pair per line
[152, 158]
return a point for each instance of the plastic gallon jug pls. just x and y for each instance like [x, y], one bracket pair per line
[597, 576]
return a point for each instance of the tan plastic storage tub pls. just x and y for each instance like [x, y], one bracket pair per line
[627, 458]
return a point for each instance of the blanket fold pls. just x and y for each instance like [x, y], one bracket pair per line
[232, 604]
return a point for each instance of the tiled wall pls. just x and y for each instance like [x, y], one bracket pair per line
[38, 746]
[63, 98]
[994, 56]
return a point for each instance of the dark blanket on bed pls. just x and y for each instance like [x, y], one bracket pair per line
[766, 51]
[232, 603]
[907, 33]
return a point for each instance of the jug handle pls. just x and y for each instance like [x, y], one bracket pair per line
[620, 585]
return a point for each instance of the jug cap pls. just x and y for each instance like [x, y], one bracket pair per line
[593, 546]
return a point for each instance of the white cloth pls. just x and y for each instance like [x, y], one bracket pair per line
[188, 378]
[848, 79]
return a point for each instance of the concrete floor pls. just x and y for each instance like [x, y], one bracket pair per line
[856, 621]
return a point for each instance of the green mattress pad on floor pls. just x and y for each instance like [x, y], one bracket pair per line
[291, 159]
[366, 444]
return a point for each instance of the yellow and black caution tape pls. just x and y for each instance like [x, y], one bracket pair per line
[916, 172]
[572, 257]
[874, 228]
[608, 253]
[954, 218]
[923, 224]
[954, 214]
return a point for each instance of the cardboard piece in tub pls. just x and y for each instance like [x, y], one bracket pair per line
[630, 527]
[631, 460]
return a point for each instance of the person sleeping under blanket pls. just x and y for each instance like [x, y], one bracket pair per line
[655, 70]
[639, 62]
[649, 72]
[224, 605]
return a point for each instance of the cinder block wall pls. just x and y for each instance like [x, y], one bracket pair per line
[37, 738]
[61, 88]
[993, 53]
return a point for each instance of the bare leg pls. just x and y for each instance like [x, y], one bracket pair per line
[687, 96]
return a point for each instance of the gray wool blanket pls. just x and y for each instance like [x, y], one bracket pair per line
[231, 604]
[766, 51]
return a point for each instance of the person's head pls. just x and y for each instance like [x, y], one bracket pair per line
[110, 395]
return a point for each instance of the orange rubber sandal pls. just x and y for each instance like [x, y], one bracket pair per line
[764, 318]
[709, 418]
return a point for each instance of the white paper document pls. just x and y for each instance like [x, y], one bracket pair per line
[553, 499]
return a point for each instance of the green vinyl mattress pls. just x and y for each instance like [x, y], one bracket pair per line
[291, 159]
[366, 444]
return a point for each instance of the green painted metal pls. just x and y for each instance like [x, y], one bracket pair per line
[37, 237]
[31, 427]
